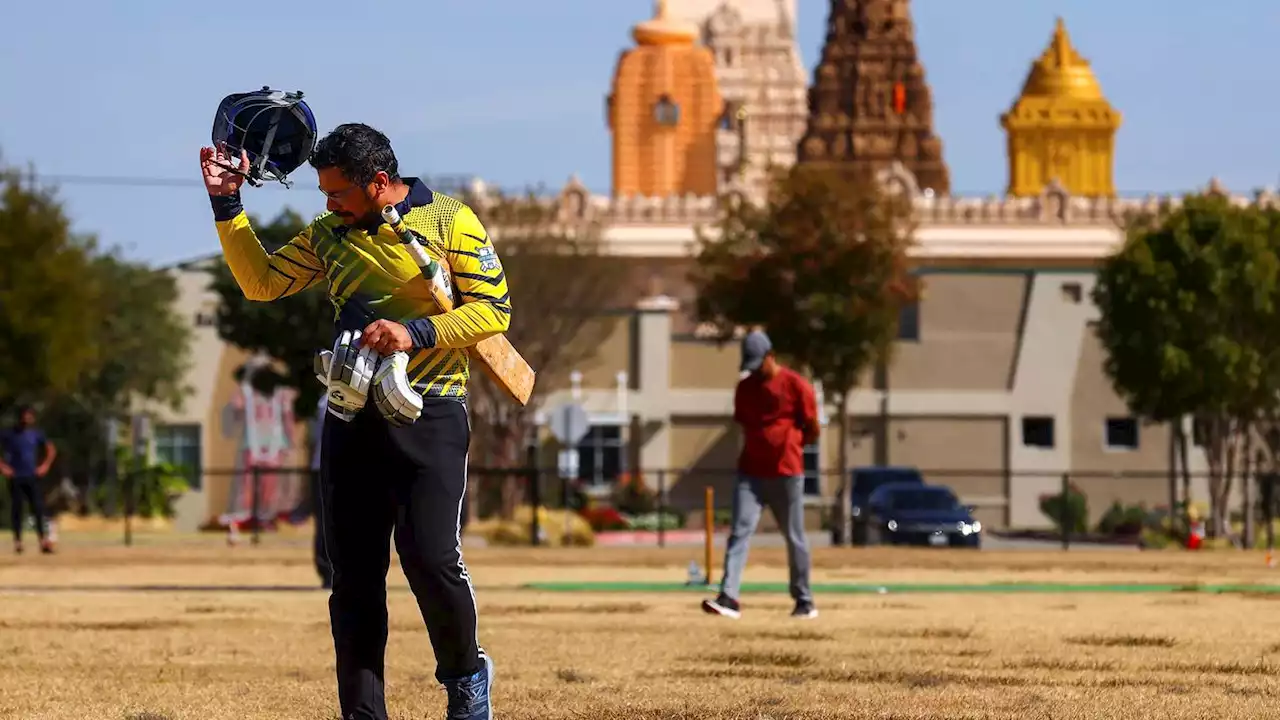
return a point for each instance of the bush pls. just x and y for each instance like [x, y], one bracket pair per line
[722, 517]
[1159, 539]
[633, 497]
[551, 525]
[603, 519]
[652, 521]
[156, 488]
[1076, 509]
[1122, 520]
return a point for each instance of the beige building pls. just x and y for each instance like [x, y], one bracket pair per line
[997, 387]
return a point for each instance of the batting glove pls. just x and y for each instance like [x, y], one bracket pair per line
[350, 370]
[392, 393]
[322, 363]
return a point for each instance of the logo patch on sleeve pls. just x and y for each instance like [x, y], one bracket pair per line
[488, 259]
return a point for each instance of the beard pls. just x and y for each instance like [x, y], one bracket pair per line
[369, 219]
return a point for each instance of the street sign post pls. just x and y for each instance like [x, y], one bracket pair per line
[569, 423]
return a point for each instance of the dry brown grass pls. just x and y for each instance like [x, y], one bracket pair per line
[79, 640]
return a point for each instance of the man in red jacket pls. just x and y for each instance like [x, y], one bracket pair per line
[778, 414]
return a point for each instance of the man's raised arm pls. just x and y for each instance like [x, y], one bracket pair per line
[262, 276]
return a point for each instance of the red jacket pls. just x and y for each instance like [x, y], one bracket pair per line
[775, 415]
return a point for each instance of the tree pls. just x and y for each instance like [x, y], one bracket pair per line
[561, 278]
[84, 334]
[823, 267]
[290, 330]
[143, 354]
[47, 293]
[1189, 322]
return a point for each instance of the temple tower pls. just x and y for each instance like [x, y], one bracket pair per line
[663, 112]
[1061, 127]
[764, 84]
[870, 104]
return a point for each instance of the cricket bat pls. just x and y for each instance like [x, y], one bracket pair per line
[497, 357]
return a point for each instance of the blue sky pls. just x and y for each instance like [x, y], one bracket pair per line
[513, 91]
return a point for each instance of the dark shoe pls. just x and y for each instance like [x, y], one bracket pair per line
[469, 697]
[17, 548]
[804, 610]
[46, 547]
[722, 605]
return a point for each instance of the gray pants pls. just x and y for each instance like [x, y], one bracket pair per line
[785, 497]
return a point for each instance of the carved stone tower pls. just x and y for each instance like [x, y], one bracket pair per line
[1061, 127]
[663, 112]
[870, 104]
[764, 84]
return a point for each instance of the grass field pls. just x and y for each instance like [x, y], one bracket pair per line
[168, 630]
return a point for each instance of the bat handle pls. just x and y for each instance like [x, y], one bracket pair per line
[391, 215]
[419, 253]
[431, 269]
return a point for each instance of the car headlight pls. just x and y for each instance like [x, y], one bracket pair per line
[892, 525]
[977, 526]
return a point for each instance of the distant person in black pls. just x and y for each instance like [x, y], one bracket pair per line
[23, 467]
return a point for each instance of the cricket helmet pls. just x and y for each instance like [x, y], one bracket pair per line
[275, 129]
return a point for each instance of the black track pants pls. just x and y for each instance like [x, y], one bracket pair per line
[29, 488]
[379, 480]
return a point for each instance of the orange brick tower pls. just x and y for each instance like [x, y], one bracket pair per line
[663, 112]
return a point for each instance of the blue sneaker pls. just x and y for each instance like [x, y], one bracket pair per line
[469, 697]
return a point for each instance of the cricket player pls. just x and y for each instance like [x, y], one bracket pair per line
[384, 476]
[21, 464]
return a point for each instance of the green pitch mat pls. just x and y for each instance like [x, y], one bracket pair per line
[874, 589]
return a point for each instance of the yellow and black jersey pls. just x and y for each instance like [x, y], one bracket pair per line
[372, 276]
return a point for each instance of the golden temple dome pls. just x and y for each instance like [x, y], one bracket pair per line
[662, 30]
[1061, 128]
[1061, 72]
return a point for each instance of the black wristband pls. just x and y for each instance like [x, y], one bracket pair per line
[423, 333]
[225, 207]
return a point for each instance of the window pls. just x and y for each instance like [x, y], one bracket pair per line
[1122, 433]
[909, 323]
[179, 445]
[666, 112]
[726, 117]
[601, 455]
[812, 472]
[1037, 432]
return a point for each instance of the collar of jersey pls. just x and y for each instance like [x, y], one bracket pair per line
[419, 195]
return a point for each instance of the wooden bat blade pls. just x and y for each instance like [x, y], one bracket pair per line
[497, 357]
[505, 366]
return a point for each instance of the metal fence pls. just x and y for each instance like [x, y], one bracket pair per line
[654, 504]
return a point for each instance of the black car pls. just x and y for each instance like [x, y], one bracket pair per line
[867, 480]
[913, 514]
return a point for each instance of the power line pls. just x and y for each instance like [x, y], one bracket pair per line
[122, 181]
[444, 182]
